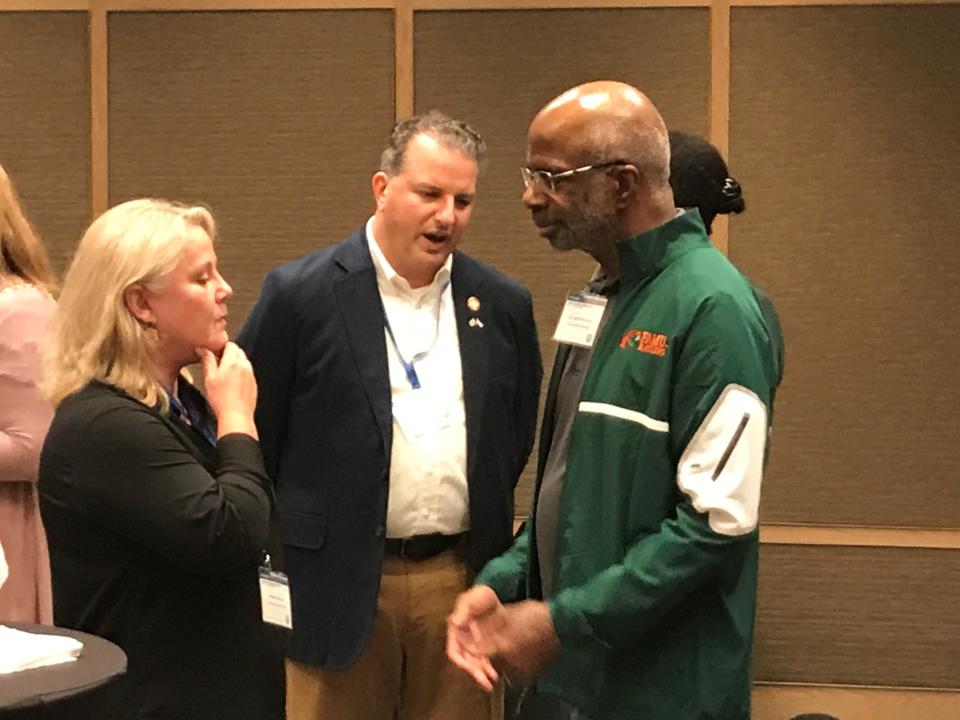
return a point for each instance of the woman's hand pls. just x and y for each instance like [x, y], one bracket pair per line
[231, 389]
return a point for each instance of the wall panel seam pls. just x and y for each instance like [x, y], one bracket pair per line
[849, 536]
[719, 103]
[841, 686]
[99, 108]
[860, 536]
[553, 4]
[43, 5]
[836, 3]
[451, 5]
[246, 5]
[404, 92]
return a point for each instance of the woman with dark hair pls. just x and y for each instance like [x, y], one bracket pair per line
[700, 179]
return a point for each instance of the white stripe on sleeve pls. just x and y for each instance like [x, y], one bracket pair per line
[722, 467]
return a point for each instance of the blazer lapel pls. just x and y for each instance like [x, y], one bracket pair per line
[466, 284]
[360, 307]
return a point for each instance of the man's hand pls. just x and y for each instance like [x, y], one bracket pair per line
[483, 635]
[520, 639]
[465, 647]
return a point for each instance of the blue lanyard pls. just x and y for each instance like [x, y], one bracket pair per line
[194, 419]
[408, 367]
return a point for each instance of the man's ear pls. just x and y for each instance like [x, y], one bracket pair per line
[137, 299]
[380, 183]
[629, 183]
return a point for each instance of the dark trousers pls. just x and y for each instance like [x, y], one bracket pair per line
[528, 704]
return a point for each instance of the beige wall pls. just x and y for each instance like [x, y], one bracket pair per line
[841, 124]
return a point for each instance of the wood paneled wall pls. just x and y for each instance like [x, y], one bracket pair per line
[839, 117]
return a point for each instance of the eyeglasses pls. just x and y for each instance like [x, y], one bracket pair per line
[546, 180]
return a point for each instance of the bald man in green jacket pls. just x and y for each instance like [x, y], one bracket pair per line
[631, 592]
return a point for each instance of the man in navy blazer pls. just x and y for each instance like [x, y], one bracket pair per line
[398, 388]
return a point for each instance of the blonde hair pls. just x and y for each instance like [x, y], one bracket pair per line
[95, 336]
[22, 255]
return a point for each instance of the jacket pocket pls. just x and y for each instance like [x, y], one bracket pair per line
[302, 531]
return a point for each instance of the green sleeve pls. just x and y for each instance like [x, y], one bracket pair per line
[507, 573]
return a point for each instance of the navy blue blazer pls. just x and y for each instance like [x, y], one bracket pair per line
[324, 413]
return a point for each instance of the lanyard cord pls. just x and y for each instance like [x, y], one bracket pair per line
[193, 419]
[408, 367]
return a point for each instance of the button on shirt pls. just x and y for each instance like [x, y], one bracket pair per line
[428, 459]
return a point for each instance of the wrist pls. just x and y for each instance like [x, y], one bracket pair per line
[236, 422]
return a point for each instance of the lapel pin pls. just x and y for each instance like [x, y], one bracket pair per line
[473, 303]
[475, 322]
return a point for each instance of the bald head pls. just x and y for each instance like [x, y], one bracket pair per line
[598, 170]
[603, 121]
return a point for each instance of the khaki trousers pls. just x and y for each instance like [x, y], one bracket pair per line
[403, 672]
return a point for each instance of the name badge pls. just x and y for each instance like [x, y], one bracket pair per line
[275, 598]
[580, 319]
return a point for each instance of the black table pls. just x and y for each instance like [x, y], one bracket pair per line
[78, 689]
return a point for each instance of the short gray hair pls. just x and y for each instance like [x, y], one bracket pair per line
[451, 134]
[648, 148]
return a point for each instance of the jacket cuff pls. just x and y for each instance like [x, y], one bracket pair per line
[240, 449]
[571, 625]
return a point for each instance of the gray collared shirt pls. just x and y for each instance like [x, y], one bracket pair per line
[568, 398]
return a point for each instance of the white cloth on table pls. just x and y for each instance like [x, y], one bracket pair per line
[21, 650]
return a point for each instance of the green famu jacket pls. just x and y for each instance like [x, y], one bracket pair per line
[656, 563]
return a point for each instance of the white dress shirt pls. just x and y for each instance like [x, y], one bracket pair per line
[428, 459]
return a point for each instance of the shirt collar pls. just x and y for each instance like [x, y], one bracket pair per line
[650, 252]
[386, 275]
[603, 284]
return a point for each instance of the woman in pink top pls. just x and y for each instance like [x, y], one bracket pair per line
[26, 282]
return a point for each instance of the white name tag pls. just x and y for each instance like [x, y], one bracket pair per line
[275, 598]
[580, 319]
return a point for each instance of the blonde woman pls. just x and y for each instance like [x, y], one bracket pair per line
[155, 498]
[26, 284]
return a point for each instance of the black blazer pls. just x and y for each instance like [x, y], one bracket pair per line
[316, 340]
[155, 536]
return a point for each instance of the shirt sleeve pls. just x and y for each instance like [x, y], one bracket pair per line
[24, 412]
[131, 474]
[718, 431]
[507, 573]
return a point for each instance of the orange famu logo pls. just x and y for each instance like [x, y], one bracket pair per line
[645, 341]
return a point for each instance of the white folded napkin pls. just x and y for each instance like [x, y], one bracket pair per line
[21, 650]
